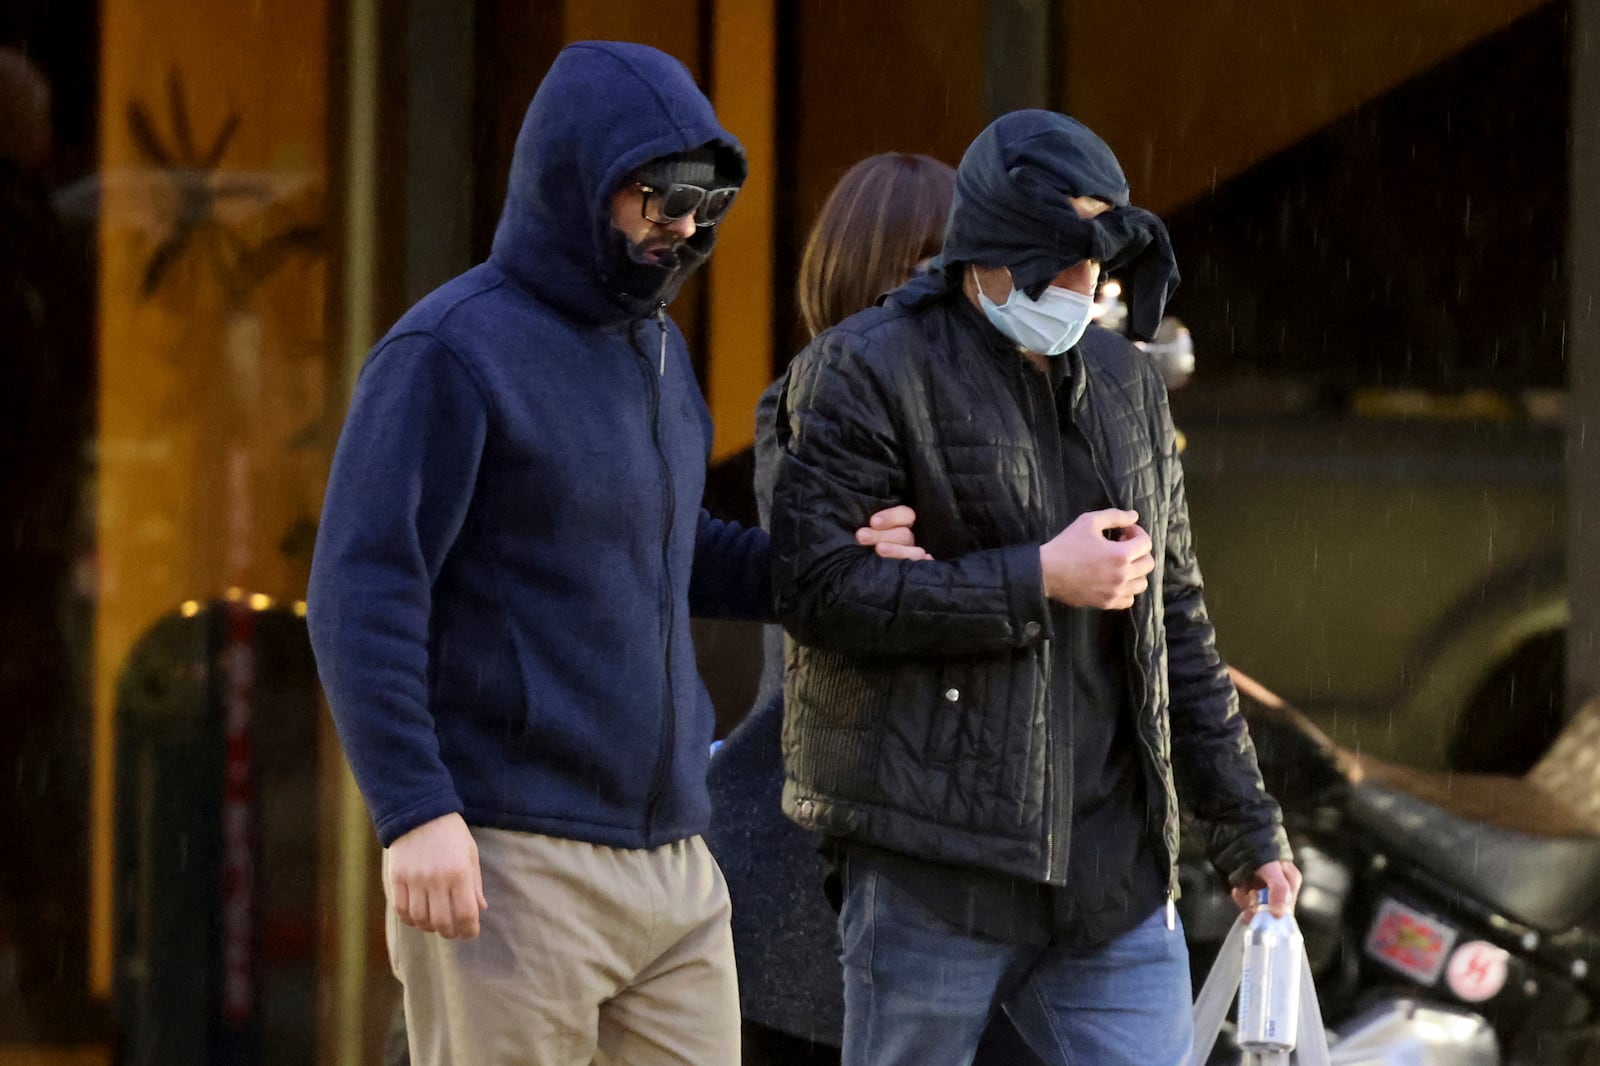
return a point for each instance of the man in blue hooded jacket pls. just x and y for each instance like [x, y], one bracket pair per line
[510, 551]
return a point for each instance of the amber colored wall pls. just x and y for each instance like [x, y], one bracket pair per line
[739, 278]
[213, 445]
[1190, 94]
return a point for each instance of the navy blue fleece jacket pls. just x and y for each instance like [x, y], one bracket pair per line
[512, 541]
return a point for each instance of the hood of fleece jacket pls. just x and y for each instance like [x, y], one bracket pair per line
[604, 109]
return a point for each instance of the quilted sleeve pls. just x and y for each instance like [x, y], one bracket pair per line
[841, 461]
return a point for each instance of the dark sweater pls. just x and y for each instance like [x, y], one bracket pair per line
[512, 537]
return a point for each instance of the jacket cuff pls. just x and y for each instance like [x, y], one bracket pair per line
[1030, 611]
[393, 826]
[1250, 852]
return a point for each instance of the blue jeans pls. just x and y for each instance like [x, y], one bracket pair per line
[919, 991]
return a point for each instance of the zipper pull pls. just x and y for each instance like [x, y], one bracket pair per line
[661, 323]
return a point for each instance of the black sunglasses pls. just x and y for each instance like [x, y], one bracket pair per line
[678, 201]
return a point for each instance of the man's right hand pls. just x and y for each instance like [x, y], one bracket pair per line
[435, 880]
[1083, 568]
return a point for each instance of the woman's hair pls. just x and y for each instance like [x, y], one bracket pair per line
[885, 216]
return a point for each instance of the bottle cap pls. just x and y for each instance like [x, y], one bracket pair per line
[1262, 895]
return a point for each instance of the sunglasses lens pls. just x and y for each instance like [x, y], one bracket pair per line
[715, 206]
[679, 201]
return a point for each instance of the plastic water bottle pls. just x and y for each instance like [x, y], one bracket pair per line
[1269, 984]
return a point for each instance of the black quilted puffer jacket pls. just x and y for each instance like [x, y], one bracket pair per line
[917, 695]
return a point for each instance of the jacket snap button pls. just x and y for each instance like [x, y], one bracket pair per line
[952, 694]
[1031, 630]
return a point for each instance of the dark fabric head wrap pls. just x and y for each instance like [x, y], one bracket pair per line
[1011, 210]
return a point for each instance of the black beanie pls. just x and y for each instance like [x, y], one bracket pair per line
[698, 166]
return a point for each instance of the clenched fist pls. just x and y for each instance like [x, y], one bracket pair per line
[1084, 567]
[435, 880]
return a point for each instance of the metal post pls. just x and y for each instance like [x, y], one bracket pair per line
[439, 172]
[353, 842]
[1583, 358]
[1019, 43]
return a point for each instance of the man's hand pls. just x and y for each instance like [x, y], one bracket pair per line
[435, 880]
[1281, 879]
[889, 533]
[1083, 568]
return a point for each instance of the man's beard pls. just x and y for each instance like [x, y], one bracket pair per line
[647, 275]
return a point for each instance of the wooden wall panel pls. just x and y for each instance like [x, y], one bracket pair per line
[896, 75]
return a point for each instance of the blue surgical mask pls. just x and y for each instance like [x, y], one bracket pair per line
[1049, 325]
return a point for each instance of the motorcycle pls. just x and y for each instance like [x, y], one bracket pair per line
[1448, 918]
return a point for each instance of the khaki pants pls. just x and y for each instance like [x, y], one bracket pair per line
[587, 955]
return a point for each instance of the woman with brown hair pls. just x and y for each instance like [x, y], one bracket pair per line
[882, 221]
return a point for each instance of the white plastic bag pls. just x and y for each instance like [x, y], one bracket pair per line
[1216, 996]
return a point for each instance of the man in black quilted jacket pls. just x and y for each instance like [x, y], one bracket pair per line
[994, 741]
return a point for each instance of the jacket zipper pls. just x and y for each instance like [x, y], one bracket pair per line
[1059, 770]
[1142, 681]
[661, 324]
[664, 591]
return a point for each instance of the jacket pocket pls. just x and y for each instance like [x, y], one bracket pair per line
[521, 726]
[485, 692]
[953, 709]
[1023, 747]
